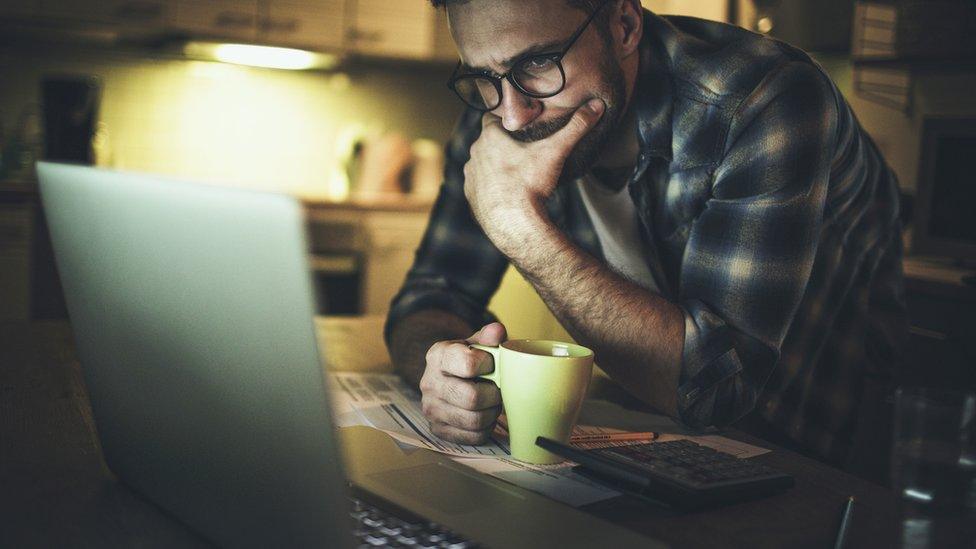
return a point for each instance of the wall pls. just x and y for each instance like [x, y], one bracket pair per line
[898, 133]
[247, 126]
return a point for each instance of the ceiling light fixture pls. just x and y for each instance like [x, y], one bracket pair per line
[261, 56]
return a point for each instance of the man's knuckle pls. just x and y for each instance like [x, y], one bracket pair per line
[456, 395]
[468, 396]
[464, 420]
[433, 353]
[494, 395]
[579, 122]
[485, 419]
[469, 366]
[487, 395]
[428, 382]
[460, 360]
[477, 438]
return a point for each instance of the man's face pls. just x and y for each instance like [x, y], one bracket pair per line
[490, 34]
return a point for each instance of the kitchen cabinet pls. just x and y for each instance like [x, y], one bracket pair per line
[129, 13]
[941, 346]
[393, 239]
[715, 10]
[361, 252]
[19, 8]
[218, 19]
[313, 25]
[16, 239]
[404, 29]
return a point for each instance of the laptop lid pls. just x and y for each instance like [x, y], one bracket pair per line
[192, 310]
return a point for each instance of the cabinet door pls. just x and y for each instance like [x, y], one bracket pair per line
[393, 239]
[19, 8]
[135, 13]
[715, 10]
[229, 19]
[16, 237]
[404, 28]
[313, 25]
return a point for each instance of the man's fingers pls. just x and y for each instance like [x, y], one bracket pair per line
[491, 334]
[437, 409]
[583, 120]
[469, 395]
[455, 434]
[459, 360]
[489, 119]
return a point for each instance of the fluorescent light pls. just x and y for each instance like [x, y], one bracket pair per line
[260, 56]
[917, 495]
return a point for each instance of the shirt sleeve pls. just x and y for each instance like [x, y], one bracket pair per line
[456, 268]
[750, 252]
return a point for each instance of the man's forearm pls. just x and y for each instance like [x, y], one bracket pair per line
[413, 335]
[637, 335]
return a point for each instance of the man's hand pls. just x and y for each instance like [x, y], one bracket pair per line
[460, 408]
[506, 181]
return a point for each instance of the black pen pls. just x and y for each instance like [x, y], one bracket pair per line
[845, 522]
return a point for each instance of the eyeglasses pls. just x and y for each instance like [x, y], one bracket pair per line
[538, 75]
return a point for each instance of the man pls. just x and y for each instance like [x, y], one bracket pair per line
[694, 202]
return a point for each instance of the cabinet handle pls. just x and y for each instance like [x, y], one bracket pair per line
[139, 11]
[365, 36]
[926, 333]
[230, 19]
[269, 24]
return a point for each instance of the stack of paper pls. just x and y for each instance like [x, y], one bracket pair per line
[384, 402]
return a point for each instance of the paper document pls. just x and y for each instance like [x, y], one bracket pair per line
[385, 402]
[558, 481]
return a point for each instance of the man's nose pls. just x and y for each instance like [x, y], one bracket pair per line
[516, 109]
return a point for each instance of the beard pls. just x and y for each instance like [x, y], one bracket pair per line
[584, 154]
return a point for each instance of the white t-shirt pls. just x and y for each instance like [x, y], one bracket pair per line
[617, 226]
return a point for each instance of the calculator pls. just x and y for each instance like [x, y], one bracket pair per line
[680, 473]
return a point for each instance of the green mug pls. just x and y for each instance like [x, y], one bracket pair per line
[543, 384]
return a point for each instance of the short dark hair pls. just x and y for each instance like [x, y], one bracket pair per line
[586, 5]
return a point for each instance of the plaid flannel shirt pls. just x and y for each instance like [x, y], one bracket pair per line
[768, 215]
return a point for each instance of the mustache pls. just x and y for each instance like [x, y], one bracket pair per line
[541, 130]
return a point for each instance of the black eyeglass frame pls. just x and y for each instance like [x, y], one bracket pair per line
[496, 80]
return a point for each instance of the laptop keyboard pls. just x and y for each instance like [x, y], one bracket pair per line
[376, 527]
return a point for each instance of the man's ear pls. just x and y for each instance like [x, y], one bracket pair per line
[627, 25]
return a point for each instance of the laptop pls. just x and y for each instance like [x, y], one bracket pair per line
[192, 309]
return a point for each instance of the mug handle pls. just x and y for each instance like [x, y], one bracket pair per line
[493, 351]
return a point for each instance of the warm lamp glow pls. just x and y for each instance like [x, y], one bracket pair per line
[264, 56]
[260, 56]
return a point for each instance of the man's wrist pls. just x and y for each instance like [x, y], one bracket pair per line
[414, 334]
[524, 232]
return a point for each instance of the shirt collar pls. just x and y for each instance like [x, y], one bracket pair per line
[653, 91]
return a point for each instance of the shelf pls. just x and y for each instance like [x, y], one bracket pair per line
[18, 188]
[918, 63]
[389, 202]
[334, 264]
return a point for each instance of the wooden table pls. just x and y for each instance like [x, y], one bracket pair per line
[55, 490]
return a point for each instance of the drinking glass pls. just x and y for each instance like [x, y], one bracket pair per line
[934, 466]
